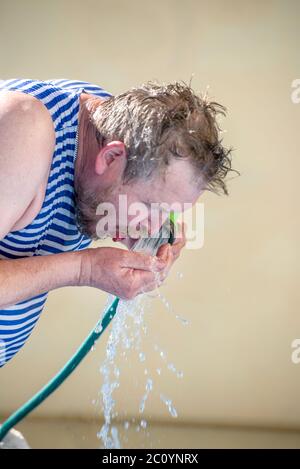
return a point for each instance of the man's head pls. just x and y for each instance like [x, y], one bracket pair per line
[154, 143]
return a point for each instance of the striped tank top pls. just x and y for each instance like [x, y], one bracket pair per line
[54, 229]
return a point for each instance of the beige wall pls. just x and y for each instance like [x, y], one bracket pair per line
[241, 290]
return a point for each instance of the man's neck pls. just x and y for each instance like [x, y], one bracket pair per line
[83, 133]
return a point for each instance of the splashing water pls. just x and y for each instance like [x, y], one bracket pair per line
[170, 366]
[170, 406]
[125, 333]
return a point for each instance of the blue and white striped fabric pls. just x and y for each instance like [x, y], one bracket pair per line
[54, 229]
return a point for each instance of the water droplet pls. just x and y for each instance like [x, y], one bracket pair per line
[171, 367]
[170, 406]
[142, 407]
[149, 385]
[185, 322]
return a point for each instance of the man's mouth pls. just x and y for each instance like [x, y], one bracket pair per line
[119, 236]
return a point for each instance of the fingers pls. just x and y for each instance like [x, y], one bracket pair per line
[138, 260]
[141, 281]
[177, 245]
[180, 231]
[151, 271]
[165, 252]
[162, 251]
[180, 241]
[148, 281]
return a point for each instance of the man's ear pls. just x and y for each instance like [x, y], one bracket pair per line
[114, 153]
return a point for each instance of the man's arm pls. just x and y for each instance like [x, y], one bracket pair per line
[21, 279]
[117, 271]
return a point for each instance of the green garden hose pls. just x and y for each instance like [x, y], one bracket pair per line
[70, 366]
[60, 377]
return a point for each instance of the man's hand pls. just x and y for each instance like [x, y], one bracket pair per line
[127, 273]
[120, 272]
[170, 252]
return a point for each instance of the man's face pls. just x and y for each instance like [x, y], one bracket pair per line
[142, 206]
[125, 212]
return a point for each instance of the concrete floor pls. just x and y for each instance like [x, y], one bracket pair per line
[75, 433]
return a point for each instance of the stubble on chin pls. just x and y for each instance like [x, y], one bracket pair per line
[86, 204]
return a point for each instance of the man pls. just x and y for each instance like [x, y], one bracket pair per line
[67, 148]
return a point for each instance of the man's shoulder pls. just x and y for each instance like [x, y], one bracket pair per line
[27, 142]
[14, 103]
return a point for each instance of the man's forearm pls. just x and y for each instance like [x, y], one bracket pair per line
[21, 279]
